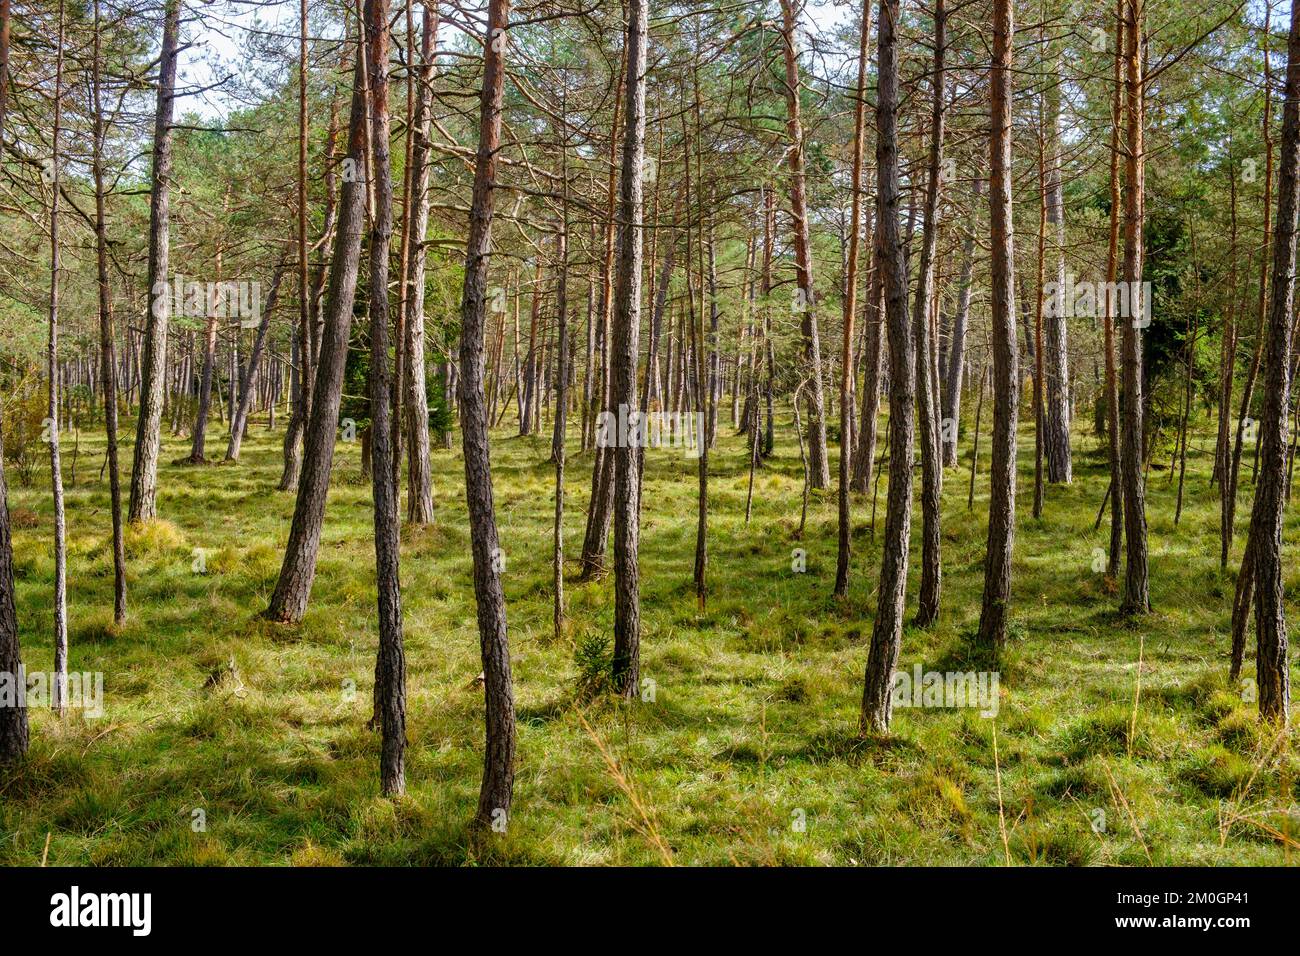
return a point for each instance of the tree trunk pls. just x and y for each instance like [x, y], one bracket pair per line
[390, 662]
[293, 588]
[1002, 471]
[806, 294]
[927, 609]
[499, 755]
[1272, 667]
[14, 735]
[1056, 377]
[850, 312]
[419, 491]
[107, 344]
[153, 378]
[1137, 598]
[239, 424]
[623, 363]
[887, 630]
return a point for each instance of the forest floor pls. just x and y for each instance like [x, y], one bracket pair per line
[226, 739]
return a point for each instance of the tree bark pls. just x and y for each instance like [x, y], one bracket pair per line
[1272, 667]
[887, 630]
[153, 379]
[927, 610]
[14, 733]
[623, 363]
[390, 662]
[499, 756]
[107, 341]
[807, 301]
[293, 588]
[1137, 599]
[1002, 472]
[850, 312]
[419, 477]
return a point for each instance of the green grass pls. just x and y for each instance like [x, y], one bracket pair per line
[748, 753]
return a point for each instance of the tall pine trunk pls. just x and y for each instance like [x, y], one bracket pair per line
[153, 367]
[1006, 360]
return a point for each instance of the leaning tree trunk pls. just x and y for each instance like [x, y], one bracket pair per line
[887, 630]
[1137, 599]
[240, 422]
[499, 755]
[1272, 666]
[293, 588]
[1002, 471]
[153, 369]
[623, 363]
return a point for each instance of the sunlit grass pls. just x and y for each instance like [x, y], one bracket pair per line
[748, 752]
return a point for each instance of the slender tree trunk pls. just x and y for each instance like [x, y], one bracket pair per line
[293, 588]
[1002, 471]
[952, 372]
[806, 293]
[887, 630]
[499, 755]
[928, 600]
[561, 422]
[1056, 348]
[869, 427]
[1137, 598]
[1109, 316]
[60, 695]
[1265, 540]
[239, 424]
[850, 311]
[390, 663]
[14, 734]
[107, 342]
[419, 477]
[623, 363]
[153, 378]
